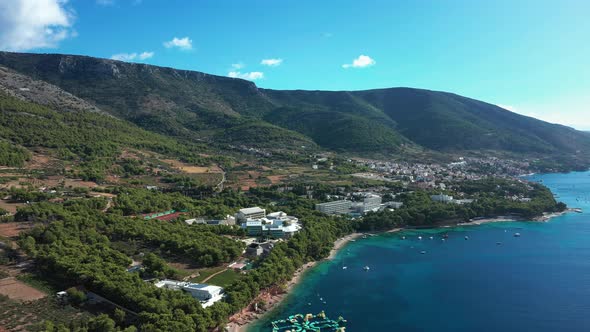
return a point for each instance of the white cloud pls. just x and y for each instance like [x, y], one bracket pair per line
[182, 43]
[251, 76]
[145, 55]
[237, 66]
[30, 24]
[361, 62]
[271, 62]
[132, 56]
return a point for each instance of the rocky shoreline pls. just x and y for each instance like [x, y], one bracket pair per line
[274, 296]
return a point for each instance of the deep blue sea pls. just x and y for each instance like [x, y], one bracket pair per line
[539, 281]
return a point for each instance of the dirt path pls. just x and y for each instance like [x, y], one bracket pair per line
[109, 205]
[213, 275]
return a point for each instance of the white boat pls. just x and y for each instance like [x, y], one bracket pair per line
[419, 238]
[366, 268]
[466, 237]
[345, 267]
[423, 252]
[516, 234]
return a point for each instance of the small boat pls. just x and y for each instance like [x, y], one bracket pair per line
[443, 239]
[423, 252]
[308, 303]
[352, 240]
[516, 234]
[498, 243]
[345, 267]
[466, 237]
[446, 236]
[403, 237]
[366, 268]
[432, 237]
[321, 298]
[419, 238]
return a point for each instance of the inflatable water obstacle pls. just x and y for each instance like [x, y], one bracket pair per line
[309, 323]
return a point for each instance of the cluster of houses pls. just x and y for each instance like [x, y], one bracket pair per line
[433, 176]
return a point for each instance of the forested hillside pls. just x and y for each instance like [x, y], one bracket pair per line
[199, 107]
[89, 138]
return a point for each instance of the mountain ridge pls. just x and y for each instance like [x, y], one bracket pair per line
[387, 121]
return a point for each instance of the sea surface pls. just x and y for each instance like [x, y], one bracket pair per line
[539, 281]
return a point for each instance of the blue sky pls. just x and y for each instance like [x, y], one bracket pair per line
[532, 57]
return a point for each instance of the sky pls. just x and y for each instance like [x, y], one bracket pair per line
[528, 56]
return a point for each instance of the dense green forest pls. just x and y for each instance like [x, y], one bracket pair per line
[12, 155]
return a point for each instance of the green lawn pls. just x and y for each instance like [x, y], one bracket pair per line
[225, 278]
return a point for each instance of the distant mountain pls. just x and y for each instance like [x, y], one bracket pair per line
[200, 106]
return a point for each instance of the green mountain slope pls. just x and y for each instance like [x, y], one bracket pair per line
[185, 104]
[90, 140]
[198, 106]
[445, 121]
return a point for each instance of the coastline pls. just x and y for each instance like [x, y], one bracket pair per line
[273, 297]
[544, 218]
[240, 321]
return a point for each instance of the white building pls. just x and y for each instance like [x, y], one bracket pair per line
[394, 205]
[250, 213]
[276, 225]
[335, 207]
[462, 201]
[441, 198]
[206, 294]
[371, 202]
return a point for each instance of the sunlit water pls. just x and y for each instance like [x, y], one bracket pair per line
[539, 281]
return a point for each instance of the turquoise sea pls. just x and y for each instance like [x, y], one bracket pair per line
[539, 281]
